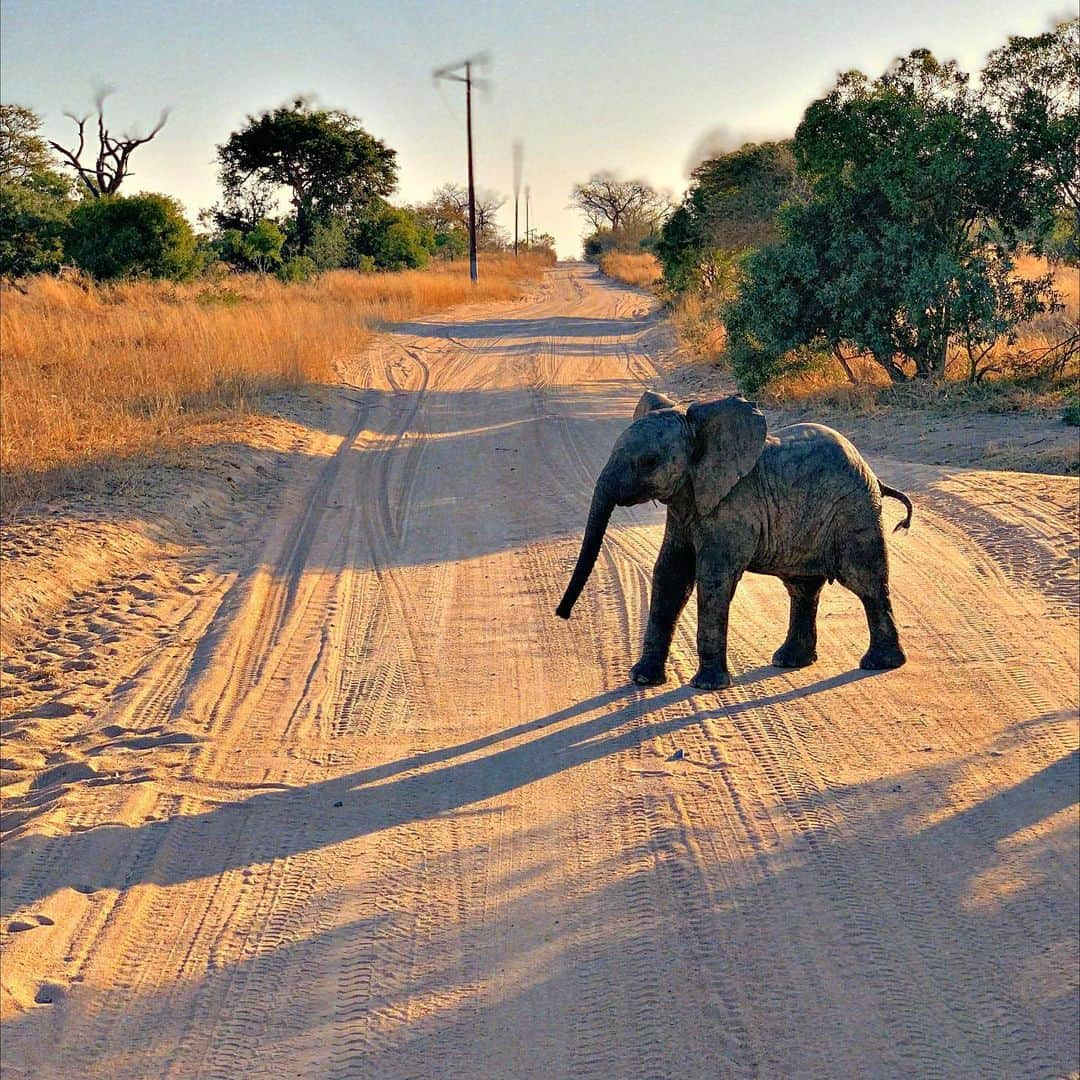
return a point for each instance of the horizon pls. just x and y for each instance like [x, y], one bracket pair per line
[213, 68]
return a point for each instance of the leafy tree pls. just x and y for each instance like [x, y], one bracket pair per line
[325, 158]
[392, 236]
[634, 235]
[112, 157]
[117, 237]
[1033, 83]
[918, 198]
[32, 224]
[258, 248]
[25, 157]
[610, 203]
[34, 197]
[729, 208]
[541, 242]
[447, 215]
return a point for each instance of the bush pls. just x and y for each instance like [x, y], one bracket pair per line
[257, 248]
[132, 236]
[32, 224]
[299, 268]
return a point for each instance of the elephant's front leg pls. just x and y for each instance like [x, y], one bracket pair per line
[716, 581]
[672, 583]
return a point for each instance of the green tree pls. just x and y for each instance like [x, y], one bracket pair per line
[325, 158]
[729, 208]
[394, 237]
[918, 200]
[128, 236]
[257, 248]
[32, 225]
[1033, 83]
[35, 199]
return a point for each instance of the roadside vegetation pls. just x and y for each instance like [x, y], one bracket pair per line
[107, 371]
[640, 269]
[124, 327]
[921, 227]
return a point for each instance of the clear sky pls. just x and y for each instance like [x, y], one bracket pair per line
[629, 85]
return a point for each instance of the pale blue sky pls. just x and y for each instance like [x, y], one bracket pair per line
[632, 85]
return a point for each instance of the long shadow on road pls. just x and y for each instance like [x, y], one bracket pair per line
[288, 822]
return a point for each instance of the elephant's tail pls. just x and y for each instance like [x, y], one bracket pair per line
[892, 493]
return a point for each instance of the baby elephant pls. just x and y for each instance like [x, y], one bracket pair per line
[801, 505]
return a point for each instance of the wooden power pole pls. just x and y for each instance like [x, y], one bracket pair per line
[452, 72]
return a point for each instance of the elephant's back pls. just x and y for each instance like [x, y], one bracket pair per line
[817, 449]
[819, 493]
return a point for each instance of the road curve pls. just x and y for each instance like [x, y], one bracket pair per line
[395, 819]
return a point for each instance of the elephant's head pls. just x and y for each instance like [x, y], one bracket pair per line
[708, 449]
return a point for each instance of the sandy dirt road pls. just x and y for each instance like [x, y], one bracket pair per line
[368, 809]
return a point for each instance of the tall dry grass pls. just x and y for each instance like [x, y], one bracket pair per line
[104, 372]
[640, 269]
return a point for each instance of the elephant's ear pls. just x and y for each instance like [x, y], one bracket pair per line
[729, 436]
[650, 401]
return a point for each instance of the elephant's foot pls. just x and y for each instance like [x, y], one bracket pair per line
[794, 654]
[648, 671]
[883, 658]
[711, 678]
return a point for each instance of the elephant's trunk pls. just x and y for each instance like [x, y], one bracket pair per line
[599, 514]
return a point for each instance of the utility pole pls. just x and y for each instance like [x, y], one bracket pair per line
[526, 215]
[451, 72]
[518, 153]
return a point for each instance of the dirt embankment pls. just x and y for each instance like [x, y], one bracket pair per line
[302, 776]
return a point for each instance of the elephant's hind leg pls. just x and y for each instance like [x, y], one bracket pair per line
[800, 648]
[672, 583]
[866, 574]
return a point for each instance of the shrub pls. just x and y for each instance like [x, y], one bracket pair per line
[299, 268]
[32, 224]
[132, 236]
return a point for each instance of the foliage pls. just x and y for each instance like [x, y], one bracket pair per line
[298, 268]
[918, 198]
[140, 235]
[729, 209]
[258, 248]
[446, 214]
[34, 197]
[394, 237]
[634, 236]
[330, 247]
[25, 158]
[32, 224]
[1033, 84]
[325, 158]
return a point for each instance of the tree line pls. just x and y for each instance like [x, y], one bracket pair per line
[889, 226]
[61, 204]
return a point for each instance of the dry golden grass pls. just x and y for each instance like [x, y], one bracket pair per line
[642, 270]
[699, 329]
[106, 372]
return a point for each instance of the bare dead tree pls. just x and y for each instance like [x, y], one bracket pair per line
[608, 202]
[110, 166]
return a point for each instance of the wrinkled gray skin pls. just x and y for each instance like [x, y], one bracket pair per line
[801, 505]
